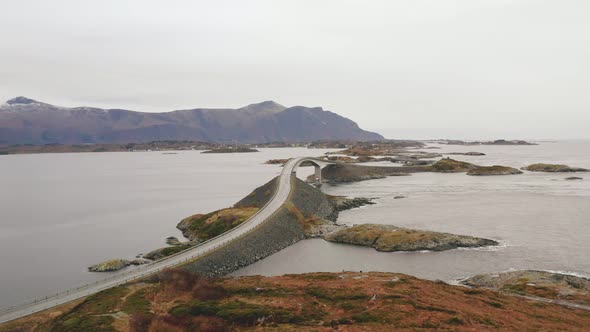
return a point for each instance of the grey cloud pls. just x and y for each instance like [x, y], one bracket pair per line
[409, 68]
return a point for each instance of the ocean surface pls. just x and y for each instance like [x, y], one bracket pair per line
[61, 213]
[541, 220]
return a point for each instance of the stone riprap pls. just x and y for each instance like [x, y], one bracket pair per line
[283, 229]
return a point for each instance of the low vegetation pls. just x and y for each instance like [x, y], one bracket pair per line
[202, 227]
[177, 300]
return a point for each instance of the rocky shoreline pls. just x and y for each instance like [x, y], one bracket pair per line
[566, 288]
[493, 170]
[115, 264]
[344, 203]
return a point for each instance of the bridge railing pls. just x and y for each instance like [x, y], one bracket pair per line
[48, 299]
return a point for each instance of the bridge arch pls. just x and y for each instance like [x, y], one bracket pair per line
[316, 163]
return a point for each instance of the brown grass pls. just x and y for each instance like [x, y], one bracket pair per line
[340, 301]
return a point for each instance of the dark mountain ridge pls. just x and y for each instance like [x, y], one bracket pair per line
[27, 121]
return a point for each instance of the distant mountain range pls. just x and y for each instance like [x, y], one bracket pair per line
[27, 121]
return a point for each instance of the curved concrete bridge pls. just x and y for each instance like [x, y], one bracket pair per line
[280, 197]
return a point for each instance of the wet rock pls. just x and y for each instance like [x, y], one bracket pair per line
[173, 241]
[318, 227]
[276, 161]
[344, 203]
[138, 262]
[109, 265]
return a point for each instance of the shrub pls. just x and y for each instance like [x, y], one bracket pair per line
[455, 321]
[137, 303]
[140, 322]
[205, 289]
[366, 317]
[178, 280]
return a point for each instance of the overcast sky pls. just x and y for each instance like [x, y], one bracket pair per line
[408, 69]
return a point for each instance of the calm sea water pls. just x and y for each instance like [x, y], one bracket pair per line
[63, 212]
[542, 220]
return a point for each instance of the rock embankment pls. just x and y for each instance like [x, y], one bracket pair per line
[549, 285]
[307, 213]
[540, 167]
[259, 196]
[392, 238]
[493, 170]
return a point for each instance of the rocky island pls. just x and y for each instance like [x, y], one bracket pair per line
[276, 161]
[495, 142]
[343, 173]
[393, 238]
[231, 150]
[553, 168]
[466, 153]
[448, 165]
[493, 170]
